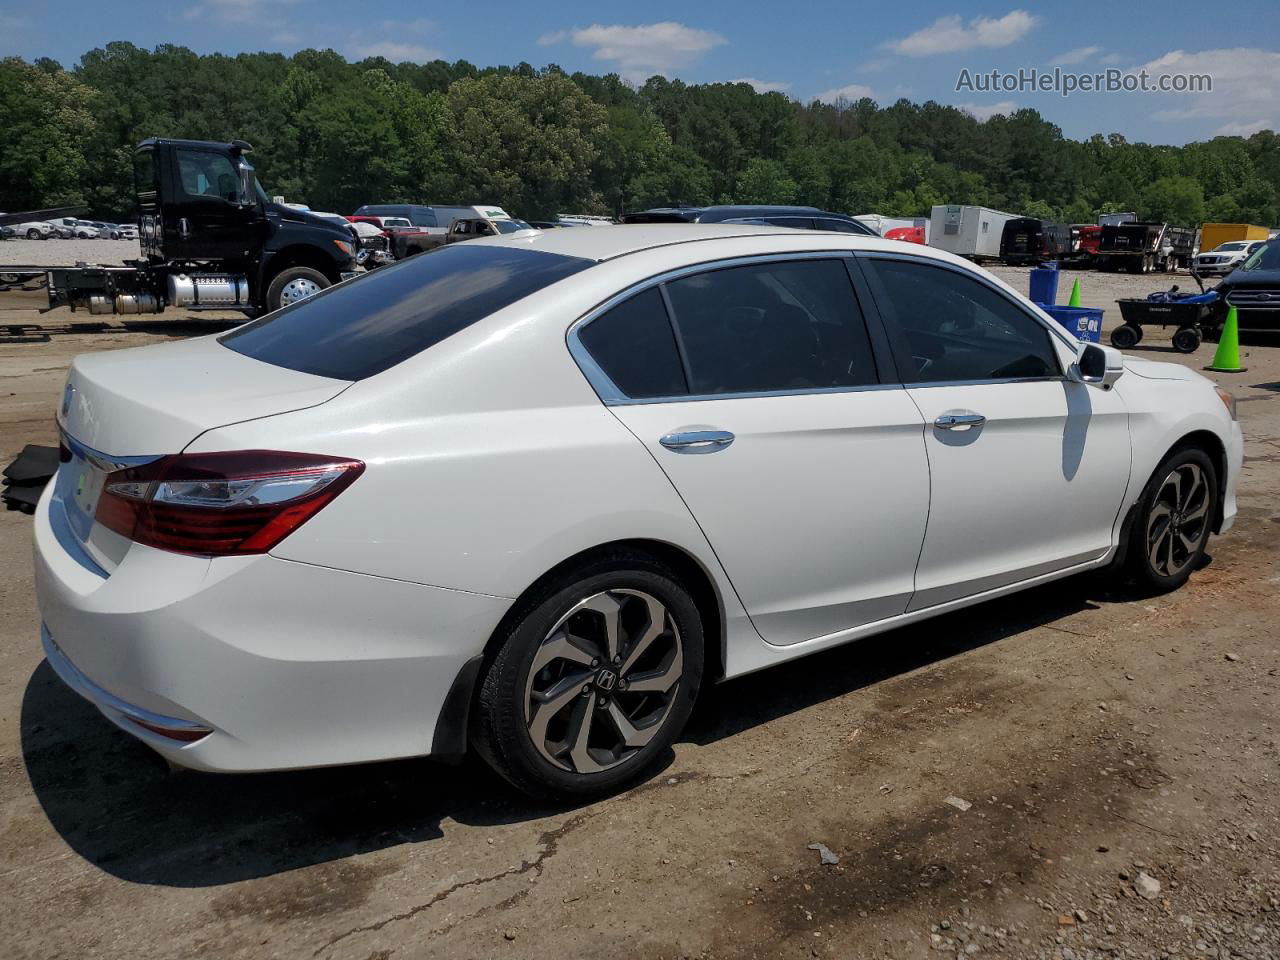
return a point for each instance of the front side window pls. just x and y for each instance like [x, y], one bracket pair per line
[207, 175]
[1266, 257]
[357, 329]
[790, 325]
[949, 327]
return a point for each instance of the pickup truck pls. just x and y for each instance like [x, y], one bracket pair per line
[471, 222]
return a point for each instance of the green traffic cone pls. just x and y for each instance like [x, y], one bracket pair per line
[1075, 295]
[1227, 358]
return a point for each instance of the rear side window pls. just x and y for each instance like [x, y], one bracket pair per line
[947, 327]
[634, 346]
[788, 325]
[360, 328]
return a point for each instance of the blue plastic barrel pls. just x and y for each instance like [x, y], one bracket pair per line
[1044, 283]
[1083, 323]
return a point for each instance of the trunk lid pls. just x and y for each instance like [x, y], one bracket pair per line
[127, 407]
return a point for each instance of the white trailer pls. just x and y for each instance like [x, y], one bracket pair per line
[882, 224]
[972, 232]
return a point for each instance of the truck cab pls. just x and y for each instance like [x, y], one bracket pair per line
[211, 239]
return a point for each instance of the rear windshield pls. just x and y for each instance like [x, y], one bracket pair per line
[360, 328]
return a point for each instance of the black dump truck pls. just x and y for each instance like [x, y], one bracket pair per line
[211, 240]
[1141, 247]
[1028, 240]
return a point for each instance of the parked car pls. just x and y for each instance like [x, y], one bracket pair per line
[469, 223]
[72, 227]
[477, 227]
[1225, 257]
[1253, 288]
[906, 234]
[656, 457]
[35, 230]
[799, 218]
[7, 232]
[375, 243]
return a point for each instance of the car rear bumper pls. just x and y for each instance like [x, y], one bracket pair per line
[256, 663]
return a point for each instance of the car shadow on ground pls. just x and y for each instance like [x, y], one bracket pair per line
[117, 805]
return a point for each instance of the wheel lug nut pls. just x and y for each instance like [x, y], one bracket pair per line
[586, 688]
[595, 662]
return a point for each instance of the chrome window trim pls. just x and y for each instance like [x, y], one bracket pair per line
[1053, 328]
[611, 395]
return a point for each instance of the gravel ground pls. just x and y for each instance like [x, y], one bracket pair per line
[66, 253]
[1115, 758]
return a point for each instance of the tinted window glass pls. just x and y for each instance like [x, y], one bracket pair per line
[363, 327]
[841, 226]
[207, 174]
[953, 327]
[790, 325]
[144, 171]
[795, 223]
[634, 346]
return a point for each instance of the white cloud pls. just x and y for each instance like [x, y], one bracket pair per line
[852, 93]
[1246, 88]
[763, 86]
[1110, 58]
[1078, 55]
[950, 34]
[641, 51]
[1239, 129]
[236, 11]
[396, 51]
[985, 111]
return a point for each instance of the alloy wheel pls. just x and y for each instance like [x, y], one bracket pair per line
[603, 681]
[1177, 520]
[298, 289]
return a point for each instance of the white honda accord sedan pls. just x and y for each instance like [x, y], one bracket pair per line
[528, 495]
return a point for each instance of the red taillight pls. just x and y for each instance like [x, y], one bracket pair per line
[218, 504]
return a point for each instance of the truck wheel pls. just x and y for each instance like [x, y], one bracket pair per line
[33, 234]
[293, 284]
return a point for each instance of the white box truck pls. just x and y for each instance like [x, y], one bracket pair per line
[972, 232]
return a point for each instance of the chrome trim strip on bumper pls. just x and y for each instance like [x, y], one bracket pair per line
[77, 681]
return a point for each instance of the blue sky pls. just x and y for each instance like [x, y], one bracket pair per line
[824, 48]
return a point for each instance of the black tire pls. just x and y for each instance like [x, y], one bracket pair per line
[500, 731]
[281, 292]
[1156, 496]
[33, 234]
[1186, 339]
[1125, 336]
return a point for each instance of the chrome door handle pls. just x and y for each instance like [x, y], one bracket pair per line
[697, 441]
[959, 421]
[184, 228]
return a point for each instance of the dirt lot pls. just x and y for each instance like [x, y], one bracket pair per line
[1103, 744]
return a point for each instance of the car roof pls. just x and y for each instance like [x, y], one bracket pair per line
[625, 239]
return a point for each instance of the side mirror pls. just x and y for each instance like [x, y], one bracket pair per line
[246, 195]
[1097, 365]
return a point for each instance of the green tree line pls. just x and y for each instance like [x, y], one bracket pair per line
[334, 135]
